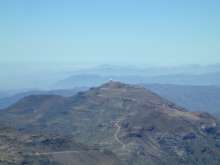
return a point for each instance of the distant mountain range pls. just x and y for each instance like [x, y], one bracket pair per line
[95, 80]
[117, 70]
[135, 124]
[194, 98]
[212, 78]
[188, 75]
[64, 76]
[9, 100]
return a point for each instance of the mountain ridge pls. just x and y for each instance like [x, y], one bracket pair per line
[136, 124]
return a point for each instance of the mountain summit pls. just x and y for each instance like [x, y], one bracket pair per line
[139, 126]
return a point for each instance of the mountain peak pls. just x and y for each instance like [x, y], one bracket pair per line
[114, 84]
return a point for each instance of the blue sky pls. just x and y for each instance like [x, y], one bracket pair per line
[44, 40]
[152, 32]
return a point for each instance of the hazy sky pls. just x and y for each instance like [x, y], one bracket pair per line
[156, 32]
[52, 35]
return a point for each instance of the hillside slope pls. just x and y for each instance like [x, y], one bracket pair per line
[18, 148]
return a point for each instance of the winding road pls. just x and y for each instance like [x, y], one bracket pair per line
[116, 137]
[53, 153]
[117, 133]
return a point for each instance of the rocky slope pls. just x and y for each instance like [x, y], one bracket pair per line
[17, 148]
[137, 125]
